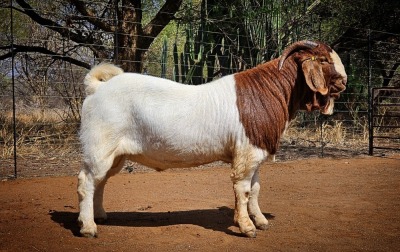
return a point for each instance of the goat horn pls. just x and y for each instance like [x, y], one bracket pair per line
[304, 44]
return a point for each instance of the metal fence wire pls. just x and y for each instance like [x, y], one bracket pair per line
[385, 118]
[47, 48]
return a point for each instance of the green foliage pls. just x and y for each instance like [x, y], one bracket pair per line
[5, 85]
[21, 25]
[339, 15]
[355, 99]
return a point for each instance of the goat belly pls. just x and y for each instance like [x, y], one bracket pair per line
[164, 161]
[180, 139]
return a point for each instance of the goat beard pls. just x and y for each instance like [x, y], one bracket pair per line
[322, 103]
[314, 104]
[328, 108]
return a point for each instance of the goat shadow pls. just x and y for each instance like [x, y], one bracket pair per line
[219, 219]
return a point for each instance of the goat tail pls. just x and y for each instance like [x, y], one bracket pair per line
[100, 74]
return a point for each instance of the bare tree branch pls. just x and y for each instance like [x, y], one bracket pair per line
[63, 31]
[38, 49]
[162, 18]
[90, 16]
[133, 39]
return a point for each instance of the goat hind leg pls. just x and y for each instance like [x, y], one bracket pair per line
[86, 189]
[100, 214]
[90, 177]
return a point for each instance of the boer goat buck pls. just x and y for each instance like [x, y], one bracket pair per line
[238, 119]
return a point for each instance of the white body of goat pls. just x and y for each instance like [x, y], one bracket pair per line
[162, 124]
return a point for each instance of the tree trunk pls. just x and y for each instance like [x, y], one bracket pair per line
[134, 39]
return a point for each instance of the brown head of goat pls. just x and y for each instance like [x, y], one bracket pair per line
[308, 76]
[321, 70]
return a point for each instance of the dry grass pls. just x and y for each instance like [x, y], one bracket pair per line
[333, 133]
[38, 133]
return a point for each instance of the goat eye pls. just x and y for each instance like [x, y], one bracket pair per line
[323, 60]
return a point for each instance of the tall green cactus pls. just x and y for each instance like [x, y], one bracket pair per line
[194, 55]
[164, 56]
[175, 72]
[238, 41]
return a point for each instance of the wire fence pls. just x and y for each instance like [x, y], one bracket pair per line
[43, 62]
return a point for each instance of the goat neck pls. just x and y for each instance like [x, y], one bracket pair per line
[264, 102]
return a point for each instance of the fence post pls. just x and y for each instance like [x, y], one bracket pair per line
[116, 33]
[321, 123]
[370, 99]
[13, 89]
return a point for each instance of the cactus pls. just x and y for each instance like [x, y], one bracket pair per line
[164, 56]
[194, 53]
[260, 36]
[175, 73]
[194, 56]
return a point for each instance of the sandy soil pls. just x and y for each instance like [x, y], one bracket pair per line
[348, 204]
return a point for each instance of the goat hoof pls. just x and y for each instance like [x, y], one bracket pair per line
[100, 220]
[88, 231]
[89, 235]
[263, 227]
[251, 234]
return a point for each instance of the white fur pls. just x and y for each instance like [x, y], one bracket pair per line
[167, 124]
[163, 124]
[339, 67]
[98, 75]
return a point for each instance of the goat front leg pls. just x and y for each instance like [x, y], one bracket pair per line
[244, 167]
[254, 209]
[242, 190]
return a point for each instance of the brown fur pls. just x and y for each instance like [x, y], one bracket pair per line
[268, 98]
[263, 96]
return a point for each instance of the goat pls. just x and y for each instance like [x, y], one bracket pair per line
[162, 124]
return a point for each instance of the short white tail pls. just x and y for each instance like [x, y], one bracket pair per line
[100, 74]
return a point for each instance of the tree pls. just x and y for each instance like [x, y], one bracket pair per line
[366, 35]
[112, 29]
[372, 23]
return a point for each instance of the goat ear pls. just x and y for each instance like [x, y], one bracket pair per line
[314, 76]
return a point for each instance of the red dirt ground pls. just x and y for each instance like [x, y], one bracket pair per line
[313, 205]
